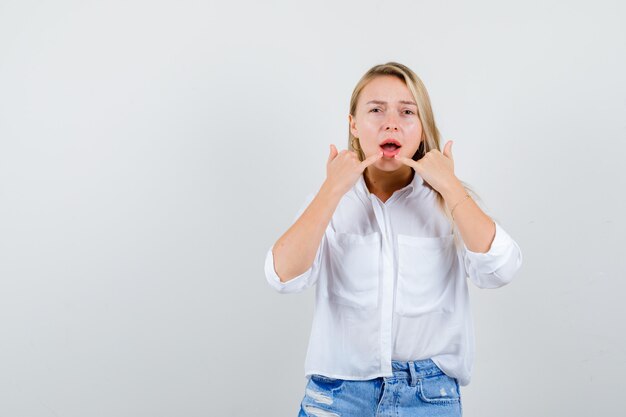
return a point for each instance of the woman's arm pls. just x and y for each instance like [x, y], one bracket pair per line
[294, 252]
[491, 256]
[476, 228]
[437, 169]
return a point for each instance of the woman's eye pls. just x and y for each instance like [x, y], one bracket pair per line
[377, 110]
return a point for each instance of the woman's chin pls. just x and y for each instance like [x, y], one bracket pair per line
[388, 164]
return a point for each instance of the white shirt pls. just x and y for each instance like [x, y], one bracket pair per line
[391, 284]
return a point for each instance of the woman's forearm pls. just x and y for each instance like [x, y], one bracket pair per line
[476, 228]
[294, 252]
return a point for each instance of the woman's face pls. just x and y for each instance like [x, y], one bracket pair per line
[386, 110]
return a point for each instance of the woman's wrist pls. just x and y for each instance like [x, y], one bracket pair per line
[331, 192]
[454, 194]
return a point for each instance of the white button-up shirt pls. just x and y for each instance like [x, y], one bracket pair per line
[391, 284]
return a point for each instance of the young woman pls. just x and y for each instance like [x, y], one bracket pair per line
[389, 240]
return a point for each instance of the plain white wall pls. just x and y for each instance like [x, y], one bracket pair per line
[152, 151]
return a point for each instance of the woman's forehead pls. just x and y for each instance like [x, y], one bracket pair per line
[386, 90]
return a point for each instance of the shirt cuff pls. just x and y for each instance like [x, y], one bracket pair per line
[295, 284]
[499, 253]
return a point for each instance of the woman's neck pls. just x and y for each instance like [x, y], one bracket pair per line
[386, 182]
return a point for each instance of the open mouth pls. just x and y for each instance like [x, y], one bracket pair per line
[390, 148]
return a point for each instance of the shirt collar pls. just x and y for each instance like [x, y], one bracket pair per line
[416, 183]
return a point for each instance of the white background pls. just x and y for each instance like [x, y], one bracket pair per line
[152, 151]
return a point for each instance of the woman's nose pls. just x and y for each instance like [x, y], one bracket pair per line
[391, 123]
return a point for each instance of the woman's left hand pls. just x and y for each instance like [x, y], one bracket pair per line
[436, 168]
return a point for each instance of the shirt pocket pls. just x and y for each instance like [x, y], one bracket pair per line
[425, 274]
[354, 269]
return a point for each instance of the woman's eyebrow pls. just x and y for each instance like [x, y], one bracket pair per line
[384, 102]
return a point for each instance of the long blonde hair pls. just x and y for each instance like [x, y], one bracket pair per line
[430, 134]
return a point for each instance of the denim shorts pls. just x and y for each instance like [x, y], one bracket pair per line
[417, 388]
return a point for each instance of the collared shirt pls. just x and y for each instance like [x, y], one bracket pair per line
[391, 284]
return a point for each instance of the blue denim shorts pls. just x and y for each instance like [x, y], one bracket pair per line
[417, 388]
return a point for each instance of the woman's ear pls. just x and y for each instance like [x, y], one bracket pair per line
[352, 123]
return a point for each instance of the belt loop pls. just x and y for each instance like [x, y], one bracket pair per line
[413, 374]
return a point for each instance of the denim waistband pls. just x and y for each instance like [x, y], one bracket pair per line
[413, 370]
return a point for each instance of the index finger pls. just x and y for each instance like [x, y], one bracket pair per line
[406, 161]
[371, 159]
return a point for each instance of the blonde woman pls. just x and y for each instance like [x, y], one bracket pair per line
[389, 240]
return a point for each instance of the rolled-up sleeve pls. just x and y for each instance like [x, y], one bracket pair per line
[296, 284]
[498, 265]
[304, 280]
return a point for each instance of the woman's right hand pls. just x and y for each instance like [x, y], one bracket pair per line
[343, 169]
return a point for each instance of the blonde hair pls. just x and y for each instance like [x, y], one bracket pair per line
[430, 134]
